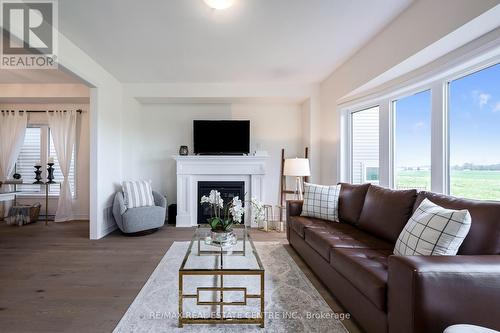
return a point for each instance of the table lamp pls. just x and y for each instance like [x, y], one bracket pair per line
[297, 167]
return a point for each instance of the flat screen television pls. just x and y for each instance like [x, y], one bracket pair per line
[221, 137]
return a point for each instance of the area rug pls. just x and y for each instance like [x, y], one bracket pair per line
[292, 304]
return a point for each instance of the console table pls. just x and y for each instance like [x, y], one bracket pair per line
[12, 195]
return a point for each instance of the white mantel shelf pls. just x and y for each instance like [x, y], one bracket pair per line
[194, 168]
[211, 165]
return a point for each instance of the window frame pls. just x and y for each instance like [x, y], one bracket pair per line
[438, 82]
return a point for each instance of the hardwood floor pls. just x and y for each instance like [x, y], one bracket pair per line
[54, 279]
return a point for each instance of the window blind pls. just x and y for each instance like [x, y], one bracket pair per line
[30, 153]
[33, 151]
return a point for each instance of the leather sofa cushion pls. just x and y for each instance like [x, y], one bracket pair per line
[386, 212]
[366, 270]
[351, 200]
[484, 234]
[299, 223]
[322, 239]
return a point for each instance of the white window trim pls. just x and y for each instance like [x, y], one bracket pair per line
[437, 82]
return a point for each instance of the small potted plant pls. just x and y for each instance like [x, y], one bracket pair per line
[225, 216]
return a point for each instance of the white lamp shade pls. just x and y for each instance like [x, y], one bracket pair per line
[298, 167]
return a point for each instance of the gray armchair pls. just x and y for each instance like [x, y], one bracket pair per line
[141, 218]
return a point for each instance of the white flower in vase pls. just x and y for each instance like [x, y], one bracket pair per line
[213, 198]
[237, 210]
[259, 213]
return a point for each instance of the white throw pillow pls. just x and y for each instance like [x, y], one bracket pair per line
[433, 230]
[138, 193]
[321, 201]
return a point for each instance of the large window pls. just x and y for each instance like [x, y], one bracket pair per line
[365, 146]
[39, 146]
[474, 135]
[412, 141]
[445, 138]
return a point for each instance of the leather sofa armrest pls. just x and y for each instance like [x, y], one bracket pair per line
[293, 208]
[430, 293]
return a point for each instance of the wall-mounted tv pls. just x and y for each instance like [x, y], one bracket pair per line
[221, 137]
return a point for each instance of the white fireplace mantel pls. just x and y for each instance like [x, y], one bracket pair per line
[192, 169]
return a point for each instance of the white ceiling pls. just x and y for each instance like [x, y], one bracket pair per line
[299, 41]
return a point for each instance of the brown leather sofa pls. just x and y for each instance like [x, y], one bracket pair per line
[396, 294]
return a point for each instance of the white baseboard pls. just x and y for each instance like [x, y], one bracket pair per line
[109, 222]
[109, 229]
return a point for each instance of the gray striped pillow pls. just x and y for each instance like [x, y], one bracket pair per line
[138, 193]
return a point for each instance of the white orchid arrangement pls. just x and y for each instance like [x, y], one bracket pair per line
[259, 213]
[223, 217]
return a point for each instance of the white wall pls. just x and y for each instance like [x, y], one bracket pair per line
[152, 134]
[105, 133]
[48, 92]
[423, 24]
[311, 134]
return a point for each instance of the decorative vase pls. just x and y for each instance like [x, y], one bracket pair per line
[50, 173]
[223, 237]
[183, 151]
[38, 175]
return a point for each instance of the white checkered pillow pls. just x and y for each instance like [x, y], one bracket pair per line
[321, 201]
[433, 230]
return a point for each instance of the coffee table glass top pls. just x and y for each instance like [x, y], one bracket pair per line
[201, 256]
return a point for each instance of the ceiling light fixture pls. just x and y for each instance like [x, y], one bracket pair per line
[219, 4]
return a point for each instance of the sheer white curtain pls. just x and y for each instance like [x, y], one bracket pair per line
[12, 130]
[63, 130]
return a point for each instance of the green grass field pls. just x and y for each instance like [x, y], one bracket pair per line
[476, 184]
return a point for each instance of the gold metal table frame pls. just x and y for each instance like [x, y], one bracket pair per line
[220, 273]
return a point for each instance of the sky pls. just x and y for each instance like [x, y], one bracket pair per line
[412, 135]
[474, 116]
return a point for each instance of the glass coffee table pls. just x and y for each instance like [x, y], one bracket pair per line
[221, 285]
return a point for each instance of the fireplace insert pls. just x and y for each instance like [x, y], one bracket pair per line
[228, 190]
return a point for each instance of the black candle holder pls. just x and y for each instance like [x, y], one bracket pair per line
[38, 175]
[50, 173]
